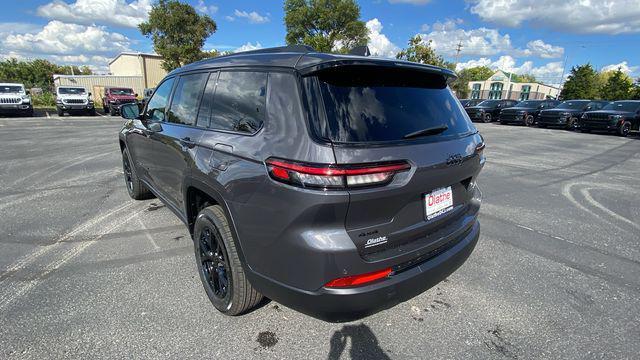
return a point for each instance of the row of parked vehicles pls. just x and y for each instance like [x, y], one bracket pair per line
[16, 100]
[620, 117]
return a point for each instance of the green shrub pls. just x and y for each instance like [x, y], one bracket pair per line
[47, 99]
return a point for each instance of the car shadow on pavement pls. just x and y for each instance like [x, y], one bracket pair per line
[364, 344]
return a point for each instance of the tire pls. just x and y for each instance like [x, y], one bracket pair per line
[135, 187]
[105, 109]
[504, 123]
[572, 124]
[60, 112]
[624, 129]
[112, 111]
[219, 266]
[529, 121]
[487, 118]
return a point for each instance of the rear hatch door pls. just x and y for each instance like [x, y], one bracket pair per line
[370, 112]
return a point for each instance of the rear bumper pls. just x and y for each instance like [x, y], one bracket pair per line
[338, 305]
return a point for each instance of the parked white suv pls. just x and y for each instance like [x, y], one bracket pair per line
[74, 99]
[14, 99]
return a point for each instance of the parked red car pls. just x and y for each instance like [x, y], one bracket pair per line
[115, 97]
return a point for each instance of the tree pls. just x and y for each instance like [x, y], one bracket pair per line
[582, 83]
[619, 86]
[178, 32]
[523, 78]
[422, 52]
[36, 73]
[325, 25]
[636, 90]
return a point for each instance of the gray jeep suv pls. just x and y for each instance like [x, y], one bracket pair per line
[337, 185]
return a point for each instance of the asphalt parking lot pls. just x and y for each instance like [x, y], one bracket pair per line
[85, 271]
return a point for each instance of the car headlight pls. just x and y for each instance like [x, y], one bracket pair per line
[615, 117]
[26, 99]
[565, 114]
[58, 101]
[584, 116]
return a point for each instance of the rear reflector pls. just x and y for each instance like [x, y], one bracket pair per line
[356, 280]
[333, 176]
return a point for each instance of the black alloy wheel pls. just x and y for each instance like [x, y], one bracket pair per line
[487, 118]
[572, 124]
[214, 263]
[128, 173]
[624, 129]
[529, 120]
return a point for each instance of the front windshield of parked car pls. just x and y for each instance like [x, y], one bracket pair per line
[572, 105]
[71, 91]
[623, 106]
[121, 91]
[489, 103]
[531, 103]
[4, 89]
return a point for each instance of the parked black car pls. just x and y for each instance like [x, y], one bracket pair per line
[526, 112]
[488, 110]
[618, 117]
[336, 185]
[470, 102]
[568, 113]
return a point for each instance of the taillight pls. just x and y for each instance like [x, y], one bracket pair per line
[333, 176]
[356, 280]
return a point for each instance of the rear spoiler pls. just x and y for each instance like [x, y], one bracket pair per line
[310, 64]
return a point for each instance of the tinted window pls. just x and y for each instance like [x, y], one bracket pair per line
[572, 105]
[489, 103]
[186, 98]
[365, 104]
[239, 101]
[157, 103]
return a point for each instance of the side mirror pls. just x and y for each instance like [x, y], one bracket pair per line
[130, 111]
[27, 92]
[89, 94]
[136, 95]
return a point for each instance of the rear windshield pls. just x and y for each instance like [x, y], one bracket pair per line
[373, 104]
[74, 91]
[623, 106]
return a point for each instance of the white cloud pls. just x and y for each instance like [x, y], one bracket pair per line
[483, 41]
[248, 47]
[541, 49]
[550, 73]
[379, 44]
[88, 12]
[623, 66]
[578, 16]
[58, 38]
[413, 2]
[17, 27]
[206, 9]
[66, 44]
[253, 17]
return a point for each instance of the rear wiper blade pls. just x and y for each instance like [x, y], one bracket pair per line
[434, 130]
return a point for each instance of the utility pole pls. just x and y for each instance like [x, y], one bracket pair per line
[458, 49]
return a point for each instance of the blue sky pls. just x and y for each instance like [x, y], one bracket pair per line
[524, 36]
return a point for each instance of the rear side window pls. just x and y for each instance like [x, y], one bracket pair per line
[186, 98]
[239, 102]
[158, 102]
[372, 104]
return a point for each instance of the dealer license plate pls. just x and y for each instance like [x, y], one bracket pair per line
[438, 202]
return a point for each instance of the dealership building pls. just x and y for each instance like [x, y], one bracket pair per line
[502, 86]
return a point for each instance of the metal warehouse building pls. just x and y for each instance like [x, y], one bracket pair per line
[130, 70]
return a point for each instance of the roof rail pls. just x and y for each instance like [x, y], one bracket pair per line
[281, 49]
[360, 50]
